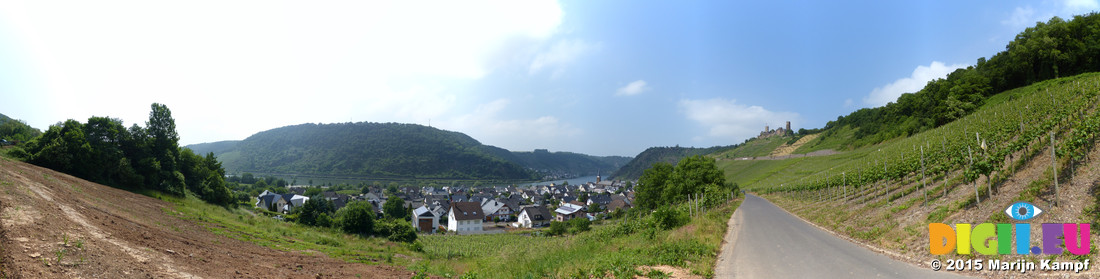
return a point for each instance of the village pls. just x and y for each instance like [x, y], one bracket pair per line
[478, 210]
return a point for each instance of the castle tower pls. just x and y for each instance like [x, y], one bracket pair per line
[788, 125]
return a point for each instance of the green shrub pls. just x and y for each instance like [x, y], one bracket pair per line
[668, 218]
[557, 228]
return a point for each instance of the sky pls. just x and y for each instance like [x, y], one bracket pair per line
[595, 77]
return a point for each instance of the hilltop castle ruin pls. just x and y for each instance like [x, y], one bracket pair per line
[768, 132]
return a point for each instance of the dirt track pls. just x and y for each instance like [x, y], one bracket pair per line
[53, 225]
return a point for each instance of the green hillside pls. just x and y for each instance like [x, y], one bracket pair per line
[1056, 48]
[231, 153]
[967, 171]
[380, 150]
[16, 130]
[672, 155]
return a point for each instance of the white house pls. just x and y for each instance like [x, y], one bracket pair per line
[282, 203]
[425, 219]
[465, 216]
[533, 217]
[493, 208]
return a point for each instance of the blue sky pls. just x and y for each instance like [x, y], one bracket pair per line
[596, 77]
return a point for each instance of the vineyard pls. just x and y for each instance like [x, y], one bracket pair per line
[1023, 144]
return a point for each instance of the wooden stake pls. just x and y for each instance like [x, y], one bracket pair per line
[1054, 167]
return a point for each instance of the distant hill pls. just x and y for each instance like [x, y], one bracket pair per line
[634, 169]
[568, 163]
[383, 150]
[391, 150]
[16, 130]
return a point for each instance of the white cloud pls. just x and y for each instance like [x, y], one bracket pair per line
[560, 56]
[880, 96]
[1027, 16]
[263, 64]
[728, 120]
[634, 88]
[1021, 16]
[487, 124]
[1076, 7]
[848, 103]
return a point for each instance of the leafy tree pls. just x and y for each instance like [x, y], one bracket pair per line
[394, 208]
[594, 207]
[690, 176]
[356, 218]
[649, 193]
[248, 178]
[313, 192]
[311, 211]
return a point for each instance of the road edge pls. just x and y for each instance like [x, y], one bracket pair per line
[722, 269]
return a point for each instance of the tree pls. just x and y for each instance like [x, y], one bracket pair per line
[651, 186]
[394, 208]
[594, 207]
[690, 176]
[161, 128]
[356, 218]
[311, 211]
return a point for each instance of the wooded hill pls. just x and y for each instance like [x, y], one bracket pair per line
[392, 150]
[671, 155]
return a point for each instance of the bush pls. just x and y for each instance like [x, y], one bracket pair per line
[396, 230]
[668, 218]
[356, 218]
[579, 225]
[557, 228]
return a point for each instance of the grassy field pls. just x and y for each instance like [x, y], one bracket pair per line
[613, 248]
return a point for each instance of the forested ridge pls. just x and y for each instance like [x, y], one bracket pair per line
[393, 150]
[1052, 49]
[383, 150]
[670, 155]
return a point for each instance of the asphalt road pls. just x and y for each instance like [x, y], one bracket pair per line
[770, 243]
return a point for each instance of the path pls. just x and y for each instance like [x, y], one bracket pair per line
[765, 241]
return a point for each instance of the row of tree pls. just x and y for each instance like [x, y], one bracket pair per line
[358, 218]
[104, 151]
[1056, 48]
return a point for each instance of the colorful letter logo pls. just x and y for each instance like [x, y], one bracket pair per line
[992, 239]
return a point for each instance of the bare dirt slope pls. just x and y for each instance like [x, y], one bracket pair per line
[58, 226]
[788, 149]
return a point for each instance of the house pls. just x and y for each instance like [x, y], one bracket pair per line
[533, 216]
[465, 216]
[425, 220]
[569, 211]
[281, 203]
[496, 209]
[617, 204]
[603, 200]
